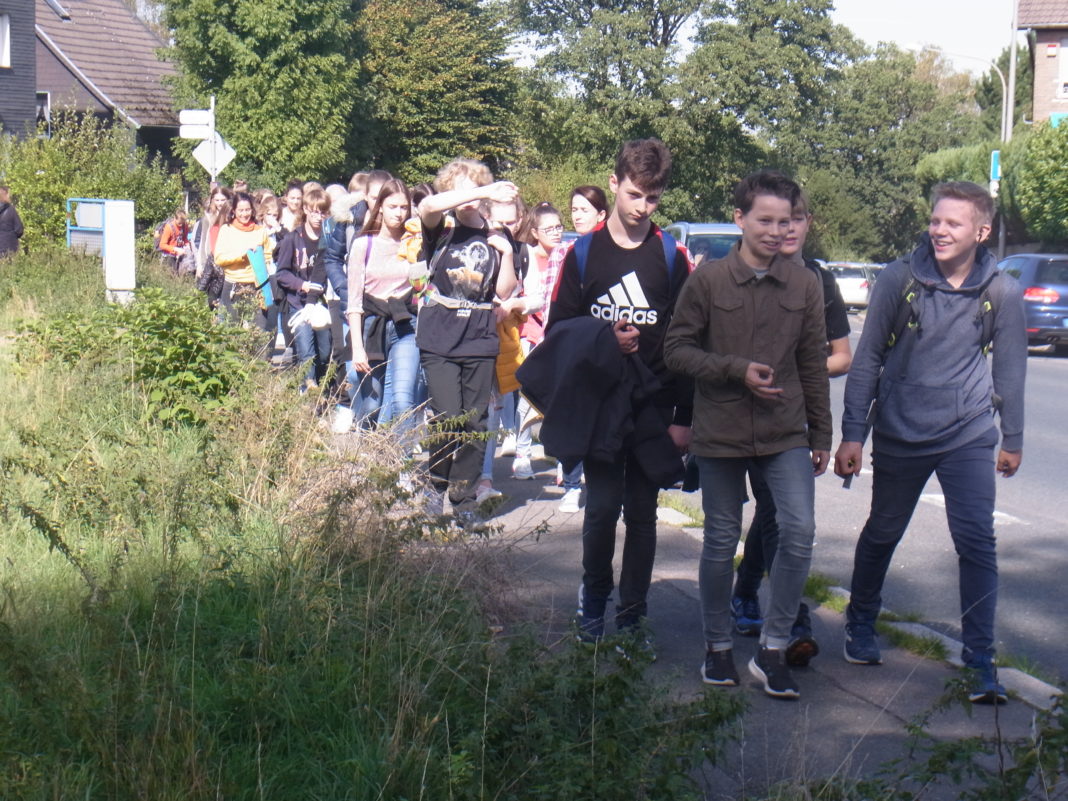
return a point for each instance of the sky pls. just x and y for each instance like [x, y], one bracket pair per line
[978, 28]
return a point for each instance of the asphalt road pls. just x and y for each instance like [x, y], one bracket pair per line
[1032, 533]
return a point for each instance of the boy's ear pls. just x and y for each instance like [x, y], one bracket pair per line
[613, 183]
[984, 232]
[738, 217]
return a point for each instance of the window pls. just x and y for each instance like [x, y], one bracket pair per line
[44, 113]
[5, 40]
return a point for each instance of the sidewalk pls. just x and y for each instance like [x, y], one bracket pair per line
[850, 719]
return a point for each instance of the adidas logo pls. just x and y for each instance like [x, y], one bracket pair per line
[625, 301]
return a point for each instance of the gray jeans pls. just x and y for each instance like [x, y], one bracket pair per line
[792, 484]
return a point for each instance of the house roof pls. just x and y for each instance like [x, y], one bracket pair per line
[1042, 14]
[113, 53]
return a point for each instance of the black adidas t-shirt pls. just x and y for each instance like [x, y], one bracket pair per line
[632, 284]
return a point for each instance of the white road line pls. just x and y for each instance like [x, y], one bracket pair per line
[1002, 518]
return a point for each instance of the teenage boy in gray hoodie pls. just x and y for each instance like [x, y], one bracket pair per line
[922, 382]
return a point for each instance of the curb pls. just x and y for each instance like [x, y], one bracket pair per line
[1031, 690]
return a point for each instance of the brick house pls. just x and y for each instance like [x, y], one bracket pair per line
[18, 76]
[1048, 22]
[97, 57]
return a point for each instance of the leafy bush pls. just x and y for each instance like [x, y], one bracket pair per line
[84, 157]
[189, 364]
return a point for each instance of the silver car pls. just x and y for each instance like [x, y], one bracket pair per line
[705, 241]
[855, 280]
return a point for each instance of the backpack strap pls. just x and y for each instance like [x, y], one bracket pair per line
[582, 253]
[908, 311]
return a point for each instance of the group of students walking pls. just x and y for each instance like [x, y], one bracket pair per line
[638, 364]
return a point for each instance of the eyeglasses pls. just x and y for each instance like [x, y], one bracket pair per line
[552, 229]
[310, 212]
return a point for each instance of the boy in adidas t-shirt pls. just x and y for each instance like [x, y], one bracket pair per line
[626, 282]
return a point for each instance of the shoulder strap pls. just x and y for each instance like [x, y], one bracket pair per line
[582, 253]
[908, 311]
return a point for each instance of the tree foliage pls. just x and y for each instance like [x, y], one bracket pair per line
[285, 76]
[988, 91]
[438, 86]
[882, 117]
[1040, 182]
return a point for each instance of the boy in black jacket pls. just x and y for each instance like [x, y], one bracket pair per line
[626, 282]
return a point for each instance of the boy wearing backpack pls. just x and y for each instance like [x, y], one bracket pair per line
[921, 382]
[628, 273]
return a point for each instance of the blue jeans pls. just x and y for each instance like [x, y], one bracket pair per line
[312, 347]
[790, 478]
[967, 479]
[501, 415]
[388, 392]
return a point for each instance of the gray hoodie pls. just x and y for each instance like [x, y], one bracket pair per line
[935, 388]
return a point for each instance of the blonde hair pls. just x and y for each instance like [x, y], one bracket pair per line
[358, 182]
[456, 169]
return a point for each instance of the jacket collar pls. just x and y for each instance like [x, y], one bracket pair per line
[779, 270]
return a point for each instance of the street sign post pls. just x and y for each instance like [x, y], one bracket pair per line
[213, 153]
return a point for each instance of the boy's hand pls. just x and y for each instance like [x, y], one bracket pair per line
[681, 436]
[1009, 462]
[502, 192]
[820, 460]
[847, 459]
[626, 336]
[760, 379]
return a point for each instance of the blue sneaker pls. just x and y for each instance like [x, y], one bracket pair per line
[746, 613]
[861, 646]
[982, 677]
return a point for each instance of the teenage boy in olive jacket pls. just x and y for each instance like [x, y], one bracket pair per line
[750, 329]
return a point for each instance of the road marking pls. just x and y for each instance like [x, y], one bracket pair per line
[1003, 518]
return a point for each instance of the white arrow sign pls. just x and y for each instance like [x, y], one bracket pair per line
[214, 154]
[197, 116]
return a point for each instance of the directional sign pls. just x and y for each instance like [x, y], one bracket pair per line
[195, 131]
[995, 165]
[214, 154]
[197, 116]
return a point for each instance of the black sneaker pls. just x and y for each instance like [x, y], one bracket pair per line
[590, 624]
[635, 640]
[769, 665]
[718, 669]
[802, 646]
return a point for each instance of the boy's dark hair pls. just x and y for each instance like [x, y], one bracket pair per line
[647, 162]
[420, 192]
[765, 182]
[966, 190]
[294, 184]
[594, 195]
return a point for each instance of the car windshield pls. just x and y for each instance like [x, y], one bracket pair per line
[710, 246]
[1052, 272]
[850, 272]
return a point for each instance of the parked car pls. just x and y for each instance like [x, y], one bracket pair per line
[705, 241]
[1044, 278]
[854, 280]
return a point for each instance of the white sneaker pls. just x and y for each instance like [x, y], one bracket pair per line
[343, 419]
[484, 493]
[521, 468]
[570, 502]
[508, 446]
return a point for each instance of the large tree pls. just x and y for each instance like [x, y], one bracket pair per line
[882, 117]
[438, 86]
[285, 76]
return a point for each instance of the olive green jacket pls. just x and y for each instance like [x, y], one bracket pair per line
[724, 319]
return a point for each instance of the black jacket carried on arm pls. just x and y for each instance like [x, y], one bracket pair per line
[596, 401]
